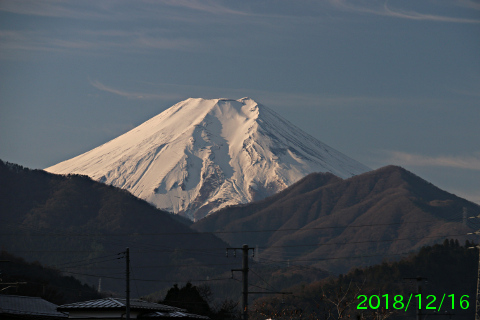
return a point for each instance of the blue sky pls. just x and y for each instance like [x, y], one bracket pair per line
[385, 82]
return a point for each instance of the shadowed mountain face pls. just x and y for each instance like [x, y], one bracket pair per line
[327, 221]
[80, 226]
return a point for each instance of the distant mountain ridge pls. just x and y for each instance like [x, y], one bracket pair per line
[314, 220]
[202, 155]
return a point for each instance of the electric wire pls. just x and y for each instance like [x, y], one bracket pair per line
[148, 280]
[90, 261]
[133, 275]
[339, 258]
[211, 251]
[261, 278]
[297, 229]
[361, 242]
[60, 234]
[252, 285]
[192, 265]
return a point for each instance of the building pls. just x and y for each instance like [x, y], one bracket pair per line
[28, 308]
[115, 309]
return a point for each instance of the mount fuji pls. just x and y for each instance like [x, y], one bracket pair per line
[202, 155]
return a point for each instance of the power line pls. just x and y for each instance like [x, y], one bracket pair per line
[147, 280]
[252, 285]
[60, 234]
[192, 265]
[91, 261]
[359, 242]
[264, 280]
[196, 250]
[337, 258]
[136, 286]
[269, 248]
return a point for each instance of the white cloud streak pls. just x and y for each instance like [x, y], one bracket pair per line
[471, 4]
[115, 9]
[178, 9]
[383, 9]
[469, 162]
[291, 99]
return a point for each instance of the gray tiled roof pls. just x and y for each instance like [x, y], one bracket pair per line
[176, 314]
[20, 305]
[117, 303]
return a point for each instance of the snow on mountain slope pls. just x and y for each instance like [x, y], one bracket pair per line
[202, 155]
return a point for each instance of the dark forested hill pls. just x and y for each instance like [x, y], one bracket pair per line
[19, 277]
[79, 226]
[338, 224]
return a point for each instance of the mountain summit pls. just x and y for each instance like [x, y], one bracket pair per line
[201, 155]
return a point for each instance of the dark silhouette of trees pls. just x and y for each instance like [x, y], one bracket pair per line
[195, 300]
[449, 269]
[187, 297]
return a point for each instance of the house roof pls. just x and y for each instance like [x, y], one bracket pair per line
[20, 305]
[176, 314]
[117, 303]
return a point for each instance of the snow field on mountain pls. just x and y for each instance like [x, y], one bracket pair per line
[201, 155]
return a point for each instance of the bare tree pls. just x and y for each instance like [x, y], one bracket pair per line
[339, 302]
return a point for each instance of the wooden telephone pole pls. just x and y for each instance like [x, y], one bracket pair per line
[127, 276]
[244, 270]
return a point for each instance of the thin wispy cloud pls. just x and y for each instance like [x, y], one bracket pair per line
[280, 99]
[287, 99]
[92, 41]
[398, 13]
[469, 162]
[295, 100]
[471, 4]
[383, 8]
[54, 8]
[133, 94]
[12, 42]
[16, 42]
[107, 10]
[163, 43]
[213, 7]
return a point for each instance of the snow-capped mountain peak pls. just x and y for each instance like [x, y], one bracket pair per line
[201, 155]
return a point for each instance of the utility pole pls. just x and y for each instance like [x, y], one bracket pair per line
[245, 281]
[419, 291]
[477, 297]
[127, 311]
[244, 270]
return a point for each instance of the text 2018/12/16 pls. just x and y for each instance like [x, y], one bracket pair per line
[374, 302]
